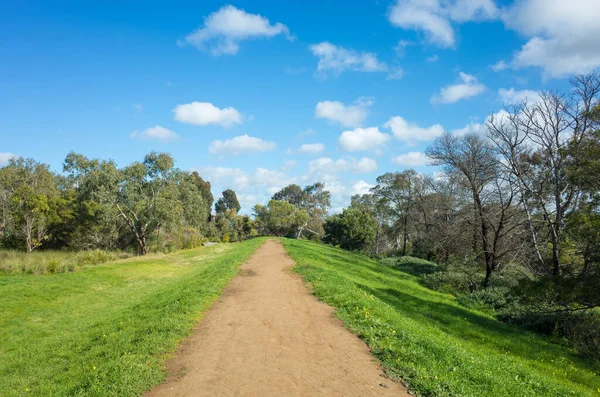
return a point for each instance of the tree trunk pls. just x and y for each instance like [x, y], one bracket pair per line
[405, 236]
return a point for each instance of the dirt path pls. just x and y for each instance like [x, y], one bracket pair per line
[267, 336]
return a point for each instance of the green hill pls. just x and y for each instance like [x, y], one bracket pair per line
[429, 341]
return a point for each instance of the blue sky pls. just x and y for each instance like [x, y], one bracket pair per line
[234, 90]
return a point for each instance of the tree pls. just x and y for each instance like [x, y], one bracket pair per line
[280, 218]
[533, 140]
[30, 200]
[229, 201]
[473, 158]
[353, 229]
[314, 199]
[395, 194]
[146, 197]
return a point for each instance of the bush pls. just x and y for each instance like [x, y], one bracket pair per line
[493, 299]
[408, 264]
[94, 257]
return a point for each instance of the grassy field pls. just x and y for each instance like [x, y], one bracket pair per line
[107, 330]
[436, 346]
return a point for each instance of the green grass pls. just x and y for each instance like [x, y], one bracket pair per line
[429, 341]
[107, 330]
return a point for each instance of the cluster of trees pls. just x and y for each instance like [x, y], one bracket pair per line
[294, 212]
[95, 204]
[522, 198]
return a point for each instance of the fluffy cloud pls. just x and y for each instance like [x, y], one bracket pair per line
[411, 132]
[227, 177]
[325, 165]
[205, 113]
[471, 128]
[157, 132]
[337, 59]
[347, 116]
[224, 29]
[242, 144]
[361, 139]
[5, 158]
[311, 148]
[435, 17]
[411, 159]
[361, 187]
[512, 96]
[563, 35]
[454, 93]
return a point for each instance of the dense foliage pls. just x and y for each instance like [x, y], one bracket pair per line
[147, 205]
[513, 220]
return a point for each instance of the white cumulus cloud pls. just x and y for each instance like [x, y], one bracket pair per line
[361, 187]
[411, 132]
[434, 17]
[326, 165]
[411, 159]
[456, 92]
[242, 144]
[511, 96]
[337, 59]
[363, 139]
[346, 115]
[157, 132]
[224, 29]
[205, 113]
[562, 35]
[311, 148]
[5, 157]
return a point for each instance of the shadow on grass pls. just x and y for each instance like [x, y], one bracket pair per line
[467, 325]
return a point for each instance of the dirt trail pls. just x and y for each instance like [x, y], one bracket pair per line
[267, 336]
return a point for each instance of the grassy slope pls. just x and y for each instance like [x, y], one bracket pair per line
[434, 345]
[106, 331]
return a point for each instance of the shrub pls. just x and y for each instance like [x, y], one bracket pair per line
[408, 264]
[94, 257]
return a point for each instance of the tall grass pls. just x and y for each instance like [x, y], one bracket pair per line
[432, 343]
[41, 262]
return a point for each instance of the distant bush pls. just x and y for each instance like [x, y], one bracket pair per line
[94, 257]
[409, 264]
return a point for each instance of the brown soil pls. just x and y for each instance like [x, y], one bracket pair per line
[267, 336]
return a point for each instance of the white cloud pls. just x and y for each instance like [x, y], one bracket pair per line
[512, 96]
[205, 113]
[224, 29]
[242, 144]
[326, 165]
[400, 48]
[338, 59]
[499, 66]
[156, 132]
[361, 187]
[138, 107]
[411, 132]
[454, 93]
[347, 116]
[396, 73]
[471, 128]
[563, 35]
[311, 148]
[433, 58]
[411, 159]
[363, 139]
[434, 17]
[235, 178]
[5, 157]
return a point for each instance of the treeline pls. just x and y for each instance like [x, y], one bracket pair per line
[513, 220]
[93, 204]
